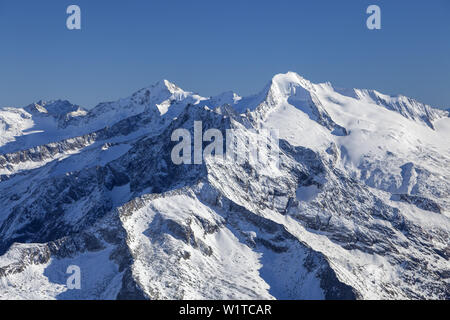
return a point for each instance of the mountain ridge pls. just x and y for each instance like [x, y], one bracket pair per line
[357, 208]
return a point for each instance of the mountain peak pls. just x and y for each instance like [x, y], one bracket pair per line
[54, 108]
[287, 84]
[160, 91]
[285, 81]
[166, 85]
[279, 88]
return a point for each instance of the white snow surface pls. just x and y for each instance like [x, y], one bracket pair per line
[190, 242]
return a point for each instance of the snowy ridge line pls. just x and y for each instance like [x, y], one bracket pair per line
[357, 205]
[53, 150]
[47, 152]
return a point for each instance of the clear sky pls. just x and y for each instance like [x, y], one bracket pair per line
[210, 46]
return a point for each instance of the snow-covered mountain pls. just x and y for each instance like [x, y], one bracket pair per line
[358, 207]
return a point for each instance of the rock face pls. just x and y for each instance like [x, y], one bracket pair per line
[357, 206]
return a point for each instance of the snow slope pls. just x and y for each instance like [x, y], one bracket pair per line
[358, 206]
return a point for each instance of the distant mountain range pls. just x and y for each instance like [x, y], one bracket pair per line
[357, 208]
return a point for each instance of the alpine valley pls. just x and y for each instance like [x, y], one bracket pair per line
[357, 208]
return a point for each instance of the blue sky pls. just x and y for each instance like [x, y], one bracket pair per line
[210, 46]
